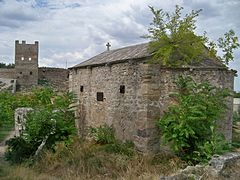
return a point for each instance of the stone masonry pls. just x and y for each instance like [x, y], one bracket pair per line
[20, 120]
[26, 71]
[236, 105]
[26, 63]
[119, 88]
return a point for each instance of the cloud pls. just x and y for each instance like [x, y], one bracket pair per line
[76, 30]
[14, 14]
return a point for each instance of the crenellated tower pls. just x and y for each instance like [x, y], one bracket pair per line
[26, 63]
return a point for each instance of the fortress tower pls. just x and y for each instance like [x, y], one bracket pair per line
[26, 63]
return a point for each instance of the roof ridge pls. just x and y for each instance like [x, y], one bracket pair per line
[126, 47]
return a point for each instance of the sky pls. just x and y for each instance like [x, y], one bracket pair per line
[71, 31]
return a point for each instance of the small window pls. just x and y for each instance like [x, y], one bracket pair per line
[18, 120]
[22, 58]
[29, 59]
[81, 88]
[122, 89]
[20, 73]
[99, 96]
[30, 73]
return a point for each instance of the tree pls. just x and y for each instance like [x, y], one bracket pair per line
[3, 65]
[175, 43]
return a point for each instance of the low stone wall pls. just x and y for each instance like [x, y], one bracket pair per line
[7, 73]
[57, 77]
[20, 120]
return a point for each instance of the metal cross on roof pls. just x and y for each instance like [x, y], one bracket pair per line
[108, 46]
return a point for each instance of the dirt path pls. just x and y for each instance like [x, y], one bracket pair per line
[2, 144]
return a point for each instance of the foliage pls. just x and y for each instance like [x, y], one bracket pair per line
[6, 108]
[43, 82]
[19, 150]
[51, 121]
[124, 148]
[228, 43]
[104, 135]
[237, 95]
[190, 125]
[175, 43]
[88, 160]
[4, 65]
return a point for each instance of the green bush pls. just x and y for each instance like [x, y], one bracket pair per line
[104, 135]
[190, 125]
[126, 148]
[51, 121]
[19, 150]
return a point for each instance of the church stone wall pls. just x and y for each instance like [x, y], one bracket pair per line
[134, 113]
[117, 109]
[156, 86]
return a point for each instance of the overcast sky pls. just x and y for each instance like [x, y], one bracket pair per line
[75, 30]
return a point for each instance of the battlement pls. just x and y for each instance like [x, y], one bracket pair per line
[24, 42]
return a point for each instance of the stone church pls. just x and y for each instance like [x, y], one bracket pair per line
[119, 87]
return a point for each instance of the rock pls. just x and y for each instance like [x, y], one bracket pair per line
[222, 167]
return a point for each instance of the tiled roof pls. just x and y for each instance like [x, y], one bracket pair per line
[135, 52]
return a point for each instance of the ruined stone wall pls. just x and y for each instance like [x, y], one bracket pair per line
[7, 73]
[20, 120]
[57, 77]
[134, 113]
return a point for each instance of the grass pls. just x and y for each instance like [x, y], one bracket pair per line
[87, 160]
[91, 161]
[8, 172]
[4, 131]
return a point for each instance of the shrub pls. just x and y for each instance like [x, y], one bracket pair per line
[103, 134]
[51, 121]
[190, 126]
[19, 150]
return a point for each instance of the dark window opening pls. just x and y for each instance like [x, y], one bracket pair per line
[81, 88]
[31, 73]
[18, 120]
[20, 72]
[122, 89]
[99, 96]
